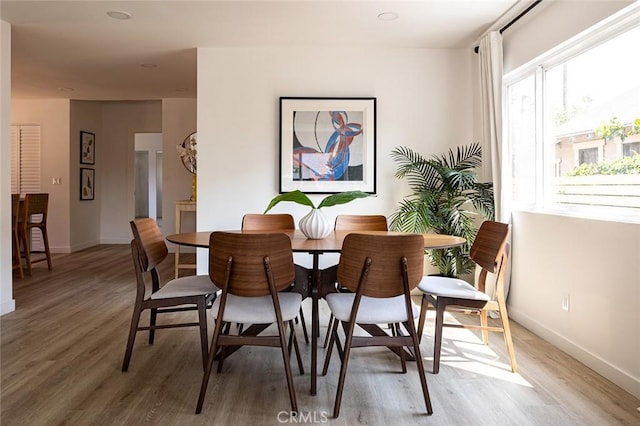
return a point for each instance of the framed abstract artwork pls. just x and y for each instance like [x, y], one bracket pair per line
[87, 183]
[327, 145]
[87, 148]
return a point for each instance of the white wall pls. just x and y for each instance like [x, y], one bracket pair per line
[421, 96]
[53, 116]
[7, 303]
[84, 214]
[178, 121]
[423, 102]
[596, 262]
[114, 179]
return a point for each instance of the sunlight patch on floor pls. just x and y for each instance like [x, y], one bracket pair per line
[463, 349]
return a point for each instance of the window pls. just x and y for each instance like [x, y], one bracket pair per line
[572, 123]
[630, 149]
[25, 159]
[588, 156]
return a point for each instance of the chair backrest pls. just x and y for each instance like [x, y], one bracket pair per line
[150, 243]
[243, 257]
[386, 271]
[35, 204]
[267, 222]
[348, 222]
[490, 250]
[15, 210]
[489, 247]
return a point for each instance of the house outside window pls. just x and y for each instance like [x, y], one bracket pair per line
[572, 125]
[588, 156]
[630, 149]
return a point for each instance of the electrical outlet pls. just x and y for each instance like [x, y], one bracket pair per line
[56, 181]
[565, 302]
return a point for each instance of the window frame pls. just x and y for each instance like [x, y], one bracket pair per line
[544, 171]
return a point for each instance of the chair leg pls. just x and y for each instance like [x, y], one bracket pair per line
[328, 335]
[304, 326]
[223, 351]
[27, 248]
[333, 333]
[45, 238]
[204, 339]
[207, 371]
[420, 366]
[16, 253]
[507, 336]
[403, 358]
[153, 315]
[423, 315]
[135, 319]
[343, 368]
[437, 341]
[287, 366]
[484, 323]
[294, 340]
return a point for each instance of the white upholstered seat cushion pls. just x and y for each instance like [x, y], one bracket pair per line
[450, 287]
[258, 310]
[193, 285]
[372, 310]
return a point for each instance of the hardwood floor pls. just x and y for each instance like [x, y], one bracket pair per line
[62, 351]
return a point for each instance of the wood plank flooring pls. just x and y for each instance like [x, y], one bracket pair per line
[62, 349]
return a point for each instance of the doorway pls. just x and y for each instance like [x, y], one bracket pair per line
[148, 176]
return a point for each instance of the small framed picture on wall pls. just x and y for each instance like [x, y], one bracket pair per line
[87, 148]
[87, 183]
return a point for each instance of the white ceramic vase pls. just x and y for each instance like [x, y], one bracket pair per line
[315, 225]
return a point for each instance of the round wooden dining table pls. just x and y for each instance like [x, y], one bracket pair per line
[311, 284]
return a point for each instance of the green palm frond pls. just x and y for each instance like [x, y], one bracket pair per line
[444, 190]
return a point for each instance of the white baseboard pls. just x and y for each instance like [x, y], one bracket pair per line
[115, 241]
[63, 249]
[85, 245]
[620, 377]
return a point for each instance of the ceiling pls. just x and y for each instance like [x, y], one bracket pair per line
[73, 49]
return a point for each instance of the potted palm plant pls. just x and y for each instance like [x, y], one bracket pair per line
[446, 198]
[314, 225]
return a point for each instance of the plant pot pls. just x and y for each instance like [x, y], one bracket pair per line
[315, 225]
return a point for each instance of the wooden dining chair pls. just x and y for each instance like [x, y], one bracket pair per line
[490, 251]
[353, 222]
[267, 222]
[34, 216]
[273, 222]
[379, 271]
[253, 271]
[15, 234]
[361, 222]
[194, 292]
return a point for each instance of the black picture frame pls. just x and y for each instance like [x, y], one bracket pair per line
[87, 184]
[327, 145]
[87, 148]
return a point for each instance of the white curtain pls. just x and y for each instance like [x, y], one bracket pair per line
[493, 158]
[491, 114]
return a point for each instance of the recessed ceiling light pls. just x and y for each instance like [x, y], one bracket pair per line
[388, 16]
[119, 14]
[65, 89]
[149, 65]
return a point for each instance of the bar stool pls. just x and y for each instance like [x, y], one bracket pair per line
[15, 236]
[35, 205]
